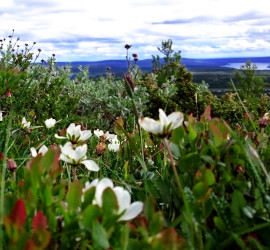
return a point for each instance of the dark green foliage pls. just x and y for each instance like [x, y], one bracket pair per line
[248, 84]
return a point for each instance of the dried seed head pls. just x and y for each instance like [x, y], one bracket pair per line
[100, 148]
[127, 46]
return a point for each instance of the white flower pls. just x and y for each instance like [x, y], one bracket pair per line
[110, 136]
[266, 116]
[49, 123]
[77, 156]
[164, 126]
[75, 134]
[1, 116]
[42, 150]
[114, 145]
[98, 133]
[107, 135]
[25, 124]
[126, 209]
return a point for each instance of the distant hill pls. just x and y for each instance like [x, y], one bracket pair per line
[119, 67]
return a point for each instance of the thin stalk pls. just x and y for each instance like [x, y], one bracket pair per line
[182, 193]
[74, 171]
[69, 178]
[136, 112]
[244, 107]
[3, 179]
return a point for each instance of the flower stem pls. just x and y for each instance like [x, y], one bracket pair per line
[74, 171]
[182, 192]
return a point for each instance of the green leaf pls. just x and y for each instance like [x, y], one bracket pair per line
[156, 223]
[177, 135]
[219, 224]
[88, 197]
[50, 160]
[209, 177]
[47, 195]
[149, 207]
[189, 162]
[217, 135]
[199, 127]
[99, 235]
[90, 214]
[192, 133]
[74, 195]
[208, 159]
[200, 190]
[151, 189]
[164, 190]
[175, 150]
[109, 206]
[238, 202]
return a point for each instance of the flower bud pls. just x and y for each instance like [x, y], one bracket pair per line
[127, 46]
[12, 166]
[130, 81]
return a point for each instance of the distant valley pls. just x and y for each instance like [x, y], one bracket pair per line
[216, 72]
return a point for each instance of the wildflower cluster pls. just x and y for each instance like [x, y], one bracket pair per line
[113, 145]
[125, 209]
[74, 151]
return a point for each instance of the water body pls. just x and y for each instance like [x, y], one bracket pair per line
[260, 66]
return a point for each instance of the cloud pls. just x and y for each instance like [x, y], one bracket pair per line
[251, 15]
[74, 30]
[197, 19]
[78, 39]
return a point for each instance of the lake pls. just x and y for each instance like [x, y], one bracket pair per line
[260, 66]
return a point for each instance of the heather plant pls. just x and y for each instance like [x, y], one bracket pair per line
[104, 99]
[13, 57]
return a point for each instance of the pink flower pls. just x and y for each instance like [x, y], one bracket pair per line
[9, 94]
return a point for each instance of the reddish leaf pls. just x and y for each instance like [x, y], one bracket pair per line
[206, 116]
[30, 245]
[18, 213]
[39, 222]
[1, 156]
[171, 240]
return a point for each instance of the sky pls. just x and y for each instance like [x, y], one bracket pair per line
[93, 30]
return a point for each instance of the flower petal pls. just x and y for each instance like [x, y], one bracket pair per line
[65, 158]
[176, 118]
[85, 134]
[98, 133]
[150, 125]
[90, 165]
[133, 211]
[60, 137]
[33, 152]
[71, 128]
[43, 150]
[101, 186]
[123, 198]
[88, 185]
[162, 117]
[80, 153]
